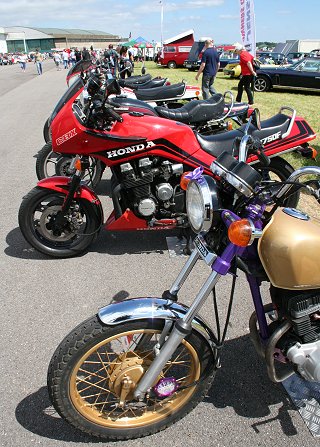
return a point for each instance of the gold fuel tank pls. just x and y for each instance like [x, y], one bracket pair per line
[289, 250]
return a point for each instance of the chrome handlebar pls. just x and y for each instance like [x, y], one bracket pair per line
[305, 170]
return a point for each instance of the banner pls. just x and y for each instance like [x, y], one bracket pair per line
[247, 26]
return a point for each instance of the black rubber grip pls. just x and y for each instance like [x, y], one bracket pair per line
[263, 158]
[114, 114]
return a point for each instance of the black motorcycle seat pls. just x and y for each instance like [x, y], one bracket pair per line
[134, 80]
[216, 144]
[195, 111]
[156, 82]
[161, 93]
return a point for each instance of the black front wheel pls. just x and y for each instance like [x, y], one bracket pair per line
[94, 372]
[50, 163]
[60, 236]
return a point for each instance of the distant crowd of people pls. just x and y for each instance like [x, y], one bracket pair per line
[120, 59]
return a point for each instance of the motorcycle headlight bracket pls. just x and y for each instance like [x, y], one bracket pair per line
[202, 202]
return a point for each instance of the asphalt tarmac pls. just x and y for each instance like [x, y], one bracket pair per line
[42, 299]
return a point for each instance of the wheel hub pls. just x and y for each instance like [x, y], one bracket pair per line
[44, 223]
[127, 368]
[63, 166]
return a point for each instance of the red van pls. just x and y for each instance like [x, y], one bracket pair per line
[176, 50]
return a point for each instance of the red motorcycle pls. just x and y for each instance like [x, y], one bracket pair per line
[147, 155]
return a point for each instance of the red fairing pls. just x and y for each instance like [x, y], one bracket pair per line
[135, 136]
[61, 184]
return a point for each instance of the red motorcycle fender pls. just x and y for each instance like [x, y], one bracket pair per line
[61, 184]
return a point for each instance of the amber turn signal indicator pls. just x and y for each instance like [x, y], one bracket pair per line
[77, 164]
[240, 232]
[184, 181]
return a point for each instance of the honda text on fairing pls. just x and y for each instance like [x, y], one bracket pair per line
[140, 365]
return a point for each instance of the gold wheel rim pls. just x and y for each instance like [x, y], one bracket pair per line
[92, 386]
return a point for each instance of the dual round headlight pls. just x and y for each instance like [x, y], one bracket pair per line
[202, 203]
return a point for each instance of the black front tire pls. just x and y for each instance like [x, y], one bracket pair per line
[118, 350]
[46, 131]
[36, 210]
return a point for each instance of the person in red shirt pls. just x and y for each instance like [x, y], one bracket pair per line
[247, 73]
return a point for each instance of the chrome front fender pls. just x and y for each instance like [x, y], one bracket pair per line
[153, 308]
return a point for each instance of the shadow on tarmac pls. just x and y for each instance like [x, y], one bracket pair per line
[241, 384]
[36, 414]
[111, 243]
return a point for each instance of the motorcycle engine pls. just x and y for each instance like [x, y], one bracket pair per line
[301, 344]
[151, 187]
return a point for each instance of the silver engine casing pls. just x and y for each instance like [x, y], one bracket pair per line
[307, 359]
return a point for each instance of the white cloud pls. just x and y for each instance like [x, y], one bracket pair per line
[228, 17]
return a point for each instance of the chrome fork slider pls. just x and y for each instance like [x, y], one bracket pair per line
[181, 329]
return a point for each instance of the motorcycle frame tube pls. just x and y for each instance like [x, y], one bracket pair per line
[156, 309]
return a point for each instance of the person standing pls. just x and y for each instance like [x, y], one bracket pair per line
[65, 58]
[78, 54]
[57, 60]
[247, 73]
[73, 59]
[125, 65]
[38, 59]
[85, 54]
[23, 59]
[210, 65]
[111, 57]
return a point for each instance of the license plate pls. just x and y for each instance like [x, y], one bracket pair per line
[201, 246]
[188, 65]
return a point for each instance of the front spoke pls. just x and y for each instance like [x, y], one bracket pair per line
[103, 373]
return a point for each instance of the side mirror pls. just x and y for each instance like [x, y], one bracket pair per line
[143, 70]
[112, 87]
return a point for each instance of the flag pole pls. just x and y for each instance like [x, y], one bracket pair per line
[161, 25]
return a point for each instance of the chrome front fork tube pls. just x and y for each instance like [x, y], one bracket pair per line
[183, 275]
[181, 329]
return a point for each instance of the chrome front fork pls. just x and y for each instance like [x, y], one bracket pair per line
[181, 328]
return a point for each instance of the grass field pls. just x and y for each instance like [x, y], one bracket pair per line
[306, 104]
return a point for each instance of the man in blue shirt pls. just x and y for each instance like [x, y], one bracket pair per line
[210, 64]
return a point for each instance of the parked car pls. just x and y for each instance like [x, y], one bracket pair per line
[225, 59]
[232, 69]
[194, 58]
[294, 57]
[303, 75]
[266, 57]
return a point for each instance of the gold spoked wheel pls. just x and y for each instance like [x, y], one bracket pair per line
[103, 380]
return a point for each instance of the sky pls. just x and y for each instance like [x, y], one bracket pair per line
[276, 21]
